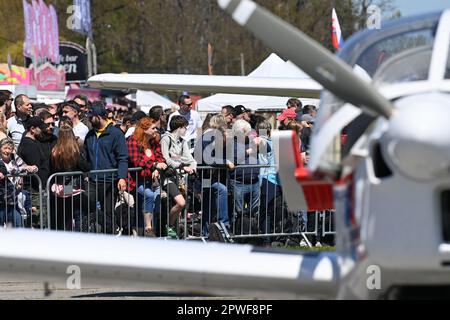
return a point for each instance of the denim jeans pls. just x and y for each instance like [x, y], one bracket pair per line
[9, 215]
[241, 191]
[270, 204]
[148, 195]
[217, 199]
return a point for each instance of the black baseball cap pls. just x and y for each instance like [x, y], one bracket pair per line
[238, 110]
[36, 122]
[97, 110]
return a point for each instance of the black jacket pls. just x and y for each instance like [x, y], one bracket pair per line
[33, 154]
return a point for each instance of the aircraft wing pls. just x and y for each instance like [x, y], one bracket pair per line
[295, 87]
[171, 265]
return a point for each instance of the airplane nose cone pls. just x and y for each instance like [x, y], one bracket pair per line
[418, 139]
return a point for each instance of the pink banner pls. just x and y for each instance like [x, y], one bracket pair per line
[49, 27]
[33, 48]
[27, 51]
[44, 31]
[55, 34]
[37, 29]
[41, 32]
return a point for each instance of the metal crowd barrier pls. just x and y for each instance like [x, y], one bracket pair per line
[88, 202]
[268, 220]
[21, 205]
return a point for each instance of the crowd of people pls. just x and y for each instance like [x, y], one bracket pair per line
[227, 155]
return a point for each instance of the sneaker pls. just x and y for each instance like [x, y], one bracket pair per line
[171, 233]
[303, 243]
[318, 244]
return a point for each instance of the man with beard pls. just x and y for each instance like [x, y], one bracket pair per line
[106, 149]
[47, 137]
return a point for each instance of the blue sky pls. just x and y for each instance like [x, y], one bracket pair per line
[412, 7]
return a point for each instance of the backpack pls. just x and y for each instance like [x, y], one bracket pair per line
[219, 233]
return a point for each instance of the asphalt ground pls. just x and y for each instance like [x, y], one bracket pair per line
[11, 289]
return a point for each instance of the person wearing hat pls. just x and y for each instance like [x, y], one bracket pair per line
[106, 149]
[285, 117]
[72, 110]
[242, 113]
[32, 153]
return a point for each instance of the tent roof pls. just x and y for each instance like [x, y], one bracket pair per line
[273, 67]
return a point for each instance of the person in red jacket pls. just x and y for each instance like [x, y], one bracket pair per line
[144, 151]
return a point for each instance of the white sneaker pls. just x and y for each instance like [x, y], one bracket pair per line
[318, 244]
[303, 243]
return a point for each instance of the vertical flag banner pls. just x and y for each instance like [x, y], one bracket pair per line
[37, 29]
[55, 34]
[44, 30]
[336, 35]
[34, 46]
[27, 46]
[49, 28]
[41, 32]
[85, 17]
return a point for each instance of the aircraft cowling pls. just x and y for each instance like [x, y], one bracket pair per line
[301, 190]
[418, 138]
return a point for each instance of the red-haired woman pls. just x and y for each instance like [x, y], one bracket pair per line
[144, 151]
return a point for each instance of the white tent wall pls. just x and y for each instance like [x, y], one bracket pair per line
[147, 99]
[274, 67]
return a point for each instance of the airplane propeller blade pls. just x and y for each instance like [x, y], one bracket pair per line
[307, 54]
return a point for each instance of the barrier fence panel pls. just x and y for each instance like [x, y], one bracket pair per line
[21, 204]
[173, 204]
[328, 227]
[254, 207]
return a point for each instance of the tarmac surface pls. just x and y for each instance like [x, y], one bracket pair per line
[11, 289]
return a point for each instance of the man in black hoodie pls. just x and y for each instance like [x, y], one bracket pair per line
[32, 153]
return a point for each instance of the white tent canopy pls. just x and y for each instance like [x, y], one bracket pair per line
[272, 67]
[147, 99]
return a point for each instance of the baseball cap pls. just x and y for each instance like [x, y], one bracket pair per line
[287, 113]
[97, 110]
[238, 110]
[36, 122]
[72, 104]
